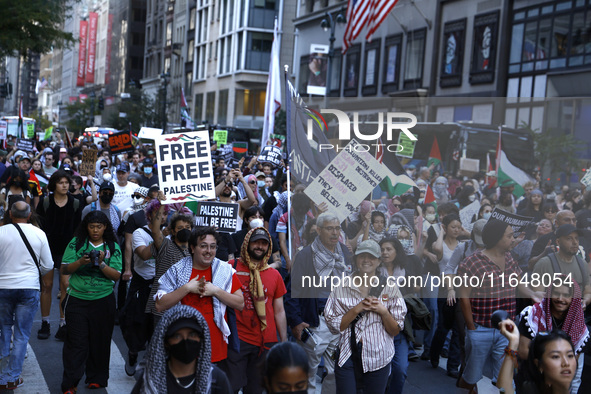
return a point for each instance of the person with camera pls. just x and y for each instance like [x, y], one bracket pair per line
[93, 259]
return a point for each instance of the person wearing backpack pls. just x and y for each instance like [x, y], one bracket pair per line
[565, 261]
[60, 213]
[106, 193]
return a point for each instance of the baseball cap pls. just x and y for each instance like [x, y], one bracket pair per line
[107, 186]
[124, 167]
[567, 229]
[148, 162]
[20, 155]
[369, 246]
[154, 188]
[259, 233]
[259, 173]
[184, 322]
[477, 231]
[63, 150]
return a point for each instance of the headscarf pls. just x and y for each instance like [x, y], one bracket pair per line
[98, 171]
[281, 207]
[255, 285]
[440, 191]
[538, 318]
[408, 245]
[157, 355]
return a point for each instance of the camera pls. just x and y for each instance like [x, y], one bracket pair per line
[94, 255]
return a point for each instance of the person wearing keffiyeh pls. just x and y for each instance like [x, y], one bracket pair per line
[178, 357]
[560, 309]
[263, 315]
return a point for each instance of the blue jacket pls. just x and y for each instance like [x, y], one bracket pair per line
[308, 301]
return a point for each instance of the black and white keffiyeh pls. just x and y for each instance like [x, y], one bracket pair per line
[326, 261]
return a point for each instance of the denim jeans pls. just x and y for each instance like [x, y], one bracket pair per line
[399, 364]
[481, 344]
[17, 309]
[373, 382]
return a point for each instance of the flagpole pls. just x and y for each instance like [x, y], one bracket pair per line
[288, 150]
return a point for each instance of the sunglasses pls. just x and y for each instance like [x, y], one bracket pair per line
[137, 196]
[252, 182]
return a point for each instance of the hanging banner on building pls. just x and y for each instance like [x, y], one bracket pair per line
[92, 27]
[82, 53]
[271, 154]
[108, 50]
[223, 216]
[184, 166]
[120, 142]
[318, 65]
[347, 180]
[88, 166]
[518, 222]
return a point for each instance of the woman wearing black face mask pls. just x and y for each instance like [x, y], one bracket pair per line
[178, 359]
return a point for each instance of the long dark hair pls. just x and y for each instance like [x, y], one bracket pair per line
[95, 217]
[537, 347]
[400, 260]
[23, 183]
[285, 355]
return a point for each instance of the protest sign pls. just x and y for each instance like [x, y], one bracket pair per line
[271, 154]
[240, 149]
[406, 146]
[149, 133]
[24, 144]
[518, 222]
[220, 136]
[222, 215]
[586, 180]
[30, 130]
[120, 142]
[88, 166]
[347, 180]
[3, 128]
[467, 214]
[278, 140]
[184, 166]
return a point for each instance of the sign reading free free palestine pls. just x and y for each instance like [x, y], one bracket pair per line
[184, 166]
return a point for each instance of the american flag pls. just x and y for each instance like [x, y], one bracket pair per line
[380, 10]
[358, 15]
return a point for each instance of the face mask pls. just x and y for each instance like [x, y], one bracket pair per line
[430, 217]
[185, 351]
[106, 198]
[138, 203]
[486, 215]
[254, 223]
[148, 170]
[107, 177]
[183, 235]
[261, 183]
[472, 197]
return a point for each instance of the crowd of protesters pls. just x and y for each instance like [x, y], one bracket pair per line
[219, 312]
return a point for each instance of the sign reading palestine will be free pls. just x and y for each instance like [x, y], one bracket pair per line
[184, 166]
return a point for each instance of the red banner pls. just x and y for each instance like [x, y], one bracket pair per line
[108, 51]
[92, 25]
[82, 53]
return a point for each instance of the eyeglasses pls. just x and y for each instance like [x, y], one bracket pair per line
[332, 229]
[550, 211]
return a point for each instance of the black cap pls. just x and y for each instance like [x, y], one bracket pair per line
[124, 167]
[185, 322]
[148, 162]
[154, 188]
[107, 185]
[259, 233]
[567, 229]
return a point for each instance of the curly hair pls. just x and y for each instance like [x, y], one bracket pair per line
[154, 206]
[81, 234]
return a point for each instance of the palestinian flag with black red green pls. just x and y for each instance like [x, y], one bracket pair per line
[435, 155]
[509, 174]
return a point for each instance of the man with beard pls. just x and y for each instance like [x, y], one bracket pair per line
[224, 191]
[263, 315]
[206, 284]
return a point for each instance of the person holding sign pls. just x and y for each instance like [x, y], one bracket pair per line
[224, 192]
[205, 283]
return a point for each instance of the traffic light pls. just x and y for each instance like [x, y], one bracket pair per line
[4, 90]
[101, 103]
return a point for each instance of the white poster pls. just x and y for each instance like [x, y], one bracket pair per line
[3, 127]
[184, 166]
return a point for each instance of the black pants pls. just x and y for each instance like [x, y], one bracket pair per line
[87, 347]
[136, 325]
[244, 369]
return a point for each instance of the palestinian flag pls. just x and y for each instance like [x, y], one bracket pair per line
[435, 155]
[398, 182]
[429, 196]
[509, 174]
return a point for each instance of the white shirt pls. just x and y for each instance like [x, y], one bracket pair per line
[17, 268]
[123, 195]
[145, 268]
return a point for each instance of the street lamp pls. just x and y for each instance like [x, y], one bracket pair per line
[330, 23]
[165, 78]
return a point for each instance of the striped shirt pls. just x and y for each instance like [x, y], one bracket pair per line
[378, 345]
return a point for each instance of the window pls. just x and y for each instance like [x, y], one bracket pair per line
[190, 50]
[209, 106]
[262, 14]
[198, 114]
[189, 83]
[168, 34]
[223, 107]
[250, 103]
[415, 55]
[371, 68]
[258, 51]
[484, 47]
[392, 52]
[192, 17]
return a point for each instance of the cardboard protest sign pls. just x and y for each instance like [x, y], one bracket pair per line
[222, 215]
[518, 222]
[88, 166]
[406, 146]
[467, 214]
[220, 136]
[120, 142]
[586, 180]
[347, 180]
[184, 166]
[24, 144]
[271, 154]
